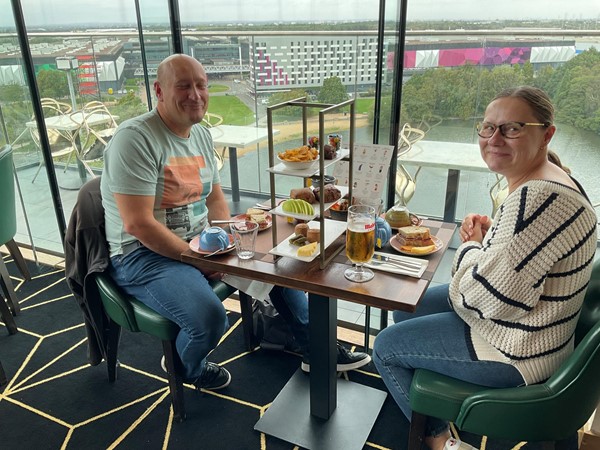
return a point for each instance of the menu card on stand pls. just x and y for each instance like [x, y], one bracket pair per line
[371, 165]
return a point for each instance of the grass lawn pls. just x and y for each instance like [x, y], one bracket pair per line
[364, 105]
[232, 109]
[212, 88]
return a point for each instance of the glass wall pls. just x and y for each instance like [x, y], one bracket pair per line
[448, 63]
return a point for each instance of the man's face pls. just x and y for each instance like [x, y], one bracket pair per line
[182, 94]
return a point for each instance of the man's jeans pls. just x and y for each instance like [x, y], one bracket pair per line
[434, 338]
[182, 294]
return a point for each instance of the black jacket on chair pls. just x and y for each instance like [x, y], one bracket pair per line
[86, 253]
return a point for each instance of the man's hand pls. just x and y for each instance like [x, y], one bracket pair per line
[474, 227]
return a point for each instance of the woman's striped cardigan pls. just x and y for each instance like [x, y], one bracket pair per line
[520, 292]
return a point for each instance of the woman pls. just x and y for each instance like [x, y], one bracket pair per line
[508, 316]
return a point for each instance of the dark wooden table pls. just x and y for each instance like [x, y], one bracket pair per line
[308, 411]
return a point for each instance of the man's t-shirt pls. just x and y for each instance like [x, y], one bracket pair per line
[145, 158]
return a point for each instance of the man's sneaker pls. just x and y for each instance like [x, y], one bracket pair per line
[346, 360]
[213, 377]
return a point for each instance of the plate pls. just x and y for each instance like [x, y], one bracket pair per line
[397, 242]
[194, 245]
[245, 217]
[333, 230]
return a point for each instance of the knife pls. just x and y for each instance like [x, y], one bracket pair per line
[387, 258]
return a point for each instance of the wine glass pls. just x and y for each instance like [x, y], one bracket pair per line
[360, 242]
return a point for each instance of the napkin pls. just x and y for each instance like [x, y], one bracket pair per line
[397, 269]
[255, 289]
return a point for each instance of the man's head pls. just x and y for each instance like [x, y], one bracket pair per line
[182, 90]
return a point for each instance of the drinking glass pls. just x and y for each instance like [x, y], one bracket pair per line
[244, 236]
[360, 242]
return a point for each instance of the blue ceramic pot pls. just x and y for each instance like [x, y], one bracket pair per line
[213, 239]
[383, 232]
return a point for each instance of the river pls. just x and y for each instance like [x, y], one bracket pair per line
[578, 149]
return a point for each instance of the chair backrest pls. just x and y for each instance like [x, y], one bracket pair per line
[8, 216]
[590, 310]
[552, 410]
[406, 183]
[95, 138]
[58, 139]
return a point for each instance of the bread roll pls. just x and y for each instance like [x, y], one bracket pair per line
[305, 194]
[313, 235]
[302, 229]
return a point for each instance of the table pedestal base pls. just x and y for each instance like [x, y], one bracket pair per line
[348, 428]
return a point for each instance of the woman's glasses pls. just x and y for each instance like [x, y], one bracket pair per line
[510, 130]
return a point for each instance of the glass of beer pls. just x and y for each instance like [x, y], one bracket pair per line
[360, 242]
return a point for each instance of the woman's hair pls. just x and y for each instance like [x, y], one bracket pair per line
[554, 159]
[536, 98]
[542, 109]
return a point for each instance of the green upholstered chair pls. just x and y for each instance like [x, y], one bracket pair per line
[546, 412]
[8, 227]
[127, 312]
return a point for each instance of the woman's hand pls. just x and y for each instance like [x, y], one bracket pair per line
[474, 227]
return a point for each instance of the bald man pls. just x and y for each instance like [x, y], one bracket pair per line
[160, 188]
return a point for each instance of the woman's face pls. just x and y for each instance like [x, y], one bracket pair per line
[514, 158]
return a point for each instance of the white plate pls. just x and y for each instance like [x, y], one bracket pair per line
[333, 230]
[397, 242]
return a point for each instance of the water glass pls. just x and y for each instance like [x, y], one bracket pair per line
[244, 237]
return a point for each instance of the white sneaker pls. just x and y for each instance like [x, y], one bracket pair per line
[457, 444]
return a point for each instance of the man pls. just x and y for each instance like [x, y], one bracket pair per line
[160, 188]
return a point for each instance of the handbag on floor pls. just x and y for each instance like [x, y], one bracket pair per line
[270, 329]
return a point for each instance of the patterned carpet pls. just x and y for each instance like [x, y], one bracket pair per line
[55, 400]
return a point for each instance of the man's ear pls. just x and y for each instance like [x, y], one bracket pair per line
[158, 90]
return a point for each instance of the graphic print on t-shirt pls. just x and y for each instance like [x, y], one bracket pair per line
[183, 188]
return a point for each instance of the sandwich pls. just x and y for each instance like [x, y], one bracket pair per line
[415, 239]
[258, 216]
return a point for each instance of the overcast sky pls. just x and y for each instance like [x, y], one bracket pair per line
[52, 12]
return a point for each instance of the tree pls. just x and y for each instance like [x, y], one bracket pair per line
[53, 84]
[333, 91]
[12, 92]
[291, 111]
[128, 106]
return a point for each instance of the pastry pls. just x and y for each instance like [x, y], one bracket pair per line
[313, 235]
[305, 194]
[330, 193]
[301, 229]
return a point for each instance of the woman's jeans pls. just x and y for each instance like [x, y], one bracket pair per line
[182, 294]
[434, 338]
